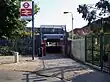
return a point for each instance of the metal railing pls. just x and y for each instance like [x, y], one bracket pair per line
[97, 50]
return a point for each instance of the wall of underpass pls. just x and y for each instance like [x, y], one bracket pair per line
[76, 49]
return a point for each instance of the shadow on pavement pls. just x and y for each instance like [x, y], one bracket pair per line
[76, 74]
[52, 56]
[68, 71]
[65, 68]
[62, 72]
[33, 77]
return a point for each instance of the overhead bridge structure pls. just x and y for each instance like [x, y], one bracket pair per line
[53, 38]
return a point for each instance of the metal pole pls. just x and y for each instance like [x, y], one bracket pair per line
[72, 23]
[33, 38]
[72, 26]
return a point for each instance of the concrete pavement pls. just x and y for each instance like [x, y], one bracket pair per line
[53, 68]
[22, 71]
[25, 64]
[65, 68]
[14, 76]
[10, 76]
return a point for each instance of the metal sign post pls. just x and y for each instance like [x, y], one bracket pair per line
[27, 13]
[33, 37]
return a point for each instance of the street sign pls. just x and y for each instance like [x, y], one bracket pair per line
[26, 4]
[27, 13]
[26, 10]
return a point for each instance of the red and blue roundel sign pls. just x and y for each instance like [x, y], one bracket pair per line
[26, 5]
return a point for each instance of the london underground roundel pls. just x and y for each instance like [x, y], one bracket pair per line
[26, 5]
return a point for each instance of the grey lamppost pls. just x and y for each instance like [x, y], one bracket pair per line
[72, 22]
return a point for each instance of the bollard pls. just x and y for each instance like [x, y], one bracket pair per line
[16, 55]
[62, 74]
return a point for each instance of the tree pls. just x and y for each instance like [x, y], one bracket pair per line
[94, 11]
[10, 24]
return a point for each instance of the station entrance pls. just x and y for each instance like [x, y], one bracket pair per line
[53, 38]
[54, 46]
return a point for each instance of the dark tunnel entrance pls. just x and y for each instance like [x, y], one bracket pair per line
[53, 39]
[54, 46]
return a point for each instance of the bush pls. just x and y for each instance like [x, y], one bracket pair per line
[5, 50]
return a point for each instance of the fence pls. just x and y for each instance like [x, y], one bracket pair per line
[5, 47]
[21, 45]
[98, 51]
[94, 50]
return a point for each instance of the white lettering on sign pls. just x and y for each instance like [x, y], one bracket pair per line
[26, 17]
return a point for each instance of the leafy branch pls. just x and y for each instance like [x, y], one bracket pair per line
[92, 12]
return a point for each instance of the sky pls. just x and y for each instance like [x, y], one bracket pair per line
[51, 13]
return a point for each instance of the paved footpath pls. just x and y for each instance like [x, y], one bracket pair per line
[61, 67]
[54, 68]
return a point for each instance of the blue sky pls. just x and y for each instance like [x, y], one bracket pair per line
[51, 13]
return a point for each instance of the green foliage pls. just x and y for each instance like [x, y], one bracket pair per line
[10, 24]
[92, 12]
[36, 9]
[70, 36]
[5, 50]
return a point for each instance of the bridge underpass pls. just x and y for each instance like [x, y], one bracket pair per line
[54, 46]
[53, 38]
